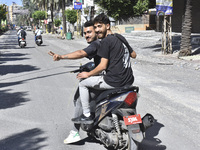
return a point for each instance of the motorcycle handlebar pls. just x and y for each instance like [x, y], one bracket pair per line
[87, 68]
[75, 71]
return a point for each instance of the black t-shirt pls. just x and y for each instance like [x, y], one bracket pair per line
[118, 72]
[91, 51]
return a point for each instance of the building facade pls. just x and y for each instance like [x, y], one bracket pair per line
[13, 11]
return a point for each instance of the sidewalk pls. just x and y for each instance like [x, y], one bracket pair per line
[149, 48]
[59, 36]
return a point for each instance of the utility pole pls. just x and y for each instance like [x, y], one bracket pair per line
[167, 35]
[165, 8]
[78, 26]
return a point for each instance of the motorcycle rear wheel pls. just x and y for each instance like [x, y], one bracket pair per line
[132, 145]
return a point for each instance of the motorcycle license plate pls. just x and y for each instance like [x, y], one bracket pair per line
[133, 119]
[22, 42]
[39, 40]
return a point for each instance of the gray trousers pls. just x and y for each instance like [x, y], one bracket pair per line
[78, 106]
[93, 82]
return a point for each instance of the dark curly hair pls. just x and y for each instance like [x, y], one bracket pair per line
[102, 18]
[88, 24]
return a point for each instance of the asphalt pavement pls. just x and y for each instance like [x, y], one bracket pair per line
[36, 94]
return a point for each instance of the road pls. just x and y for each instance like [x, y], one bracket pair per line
[36, 96]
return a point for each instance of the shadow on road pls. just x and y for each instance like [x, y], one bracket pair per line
[13, 55]
[150, 142]
[16, 69]
[5, 69]
[43, 45]
[6, 84]
[9, 100]
[7, 44]
[27, 140]
[87, 139]
[26, 47]
[4, 60]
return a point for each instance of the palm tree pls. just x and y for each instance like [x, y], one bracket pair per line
[186, 47]
[31, 8]
[64, 17]
[43, 4]
[52, 17]
[40, 3]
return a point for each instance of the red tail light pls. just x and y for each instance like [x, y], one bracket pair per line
[131, 98]
[23, 39]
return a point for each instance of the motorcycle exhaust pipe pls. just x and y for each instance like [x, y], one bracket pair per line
[147, 121]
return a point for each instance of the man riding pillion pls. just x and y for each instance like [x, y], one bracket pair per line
[115, 55]
[21, 34]
[88, 52]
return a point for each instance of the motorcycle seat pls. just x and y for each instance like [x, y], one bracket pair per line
[107, 94]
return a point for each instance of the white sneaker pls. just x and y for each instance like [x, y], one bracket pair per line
[72, 138]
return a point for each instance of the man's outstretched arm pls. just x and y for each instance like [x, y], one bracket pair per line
[74, 55]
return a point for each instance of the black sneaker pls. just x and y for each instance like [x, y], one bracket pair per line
[83, 119]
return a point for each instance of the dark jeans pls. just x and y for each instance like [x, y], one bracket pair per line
[39, 36]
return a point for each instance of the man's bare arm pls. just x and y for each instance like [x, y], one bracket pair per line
[74, 55]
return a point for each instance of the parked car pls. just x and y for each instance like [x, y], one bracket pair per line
[28, 28]
[17, 28]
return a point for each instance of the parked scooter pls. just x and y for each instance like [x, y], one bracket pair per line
[22, 42]
[116, 123]
[39, 40]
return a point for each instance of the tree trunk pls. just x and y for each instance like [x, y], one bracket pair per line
[52, 20]
[186, 47]
[64, 18]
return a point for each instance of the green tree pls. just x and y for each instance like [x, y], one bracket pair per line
[40, 4]
[57, 22]
[3, 12]
[22, 20]
[117, 8]
[123, 9]
[140, 7]
[27, 4]
[2, 15]
[71, 16]
[186, 47]
[39, 15]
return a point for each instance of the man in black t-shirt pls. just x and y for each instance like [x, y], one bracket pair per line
[115, 53]
[88, 52]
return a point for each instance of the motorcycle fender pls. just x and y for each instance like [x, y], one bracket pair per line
[135, 133]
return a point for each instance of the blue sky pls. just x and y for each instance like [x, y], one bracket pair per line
[9, 2]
